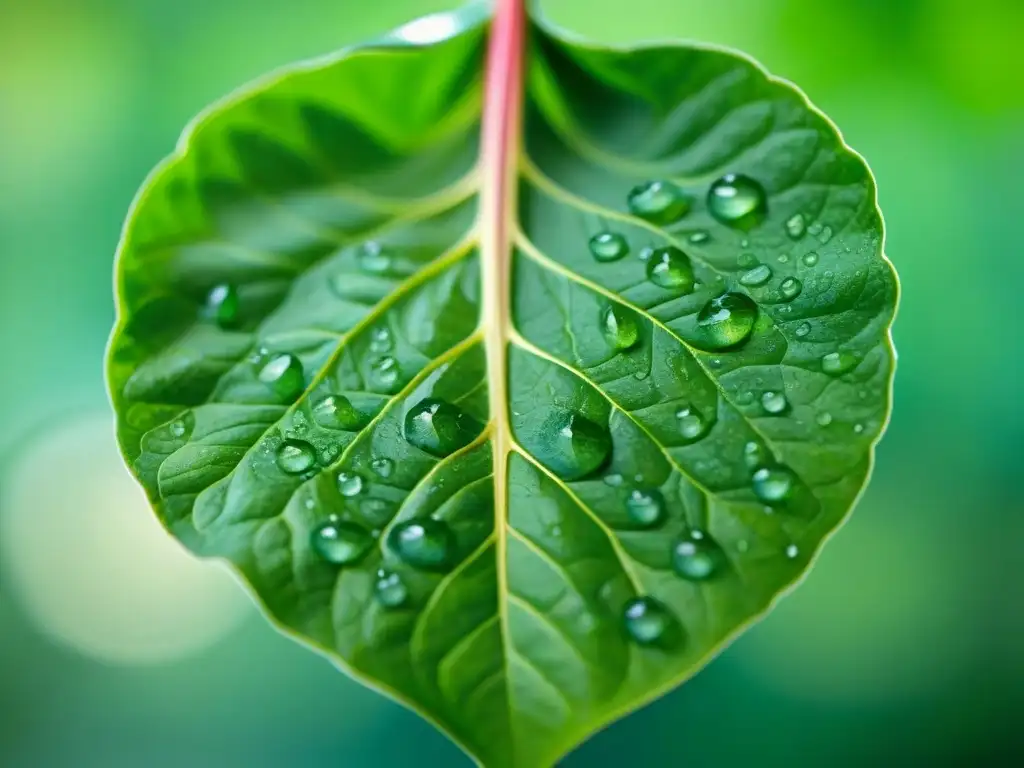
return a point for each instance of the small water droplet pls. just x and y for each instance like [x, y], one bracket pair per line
[440, 428]
[774, 402]
[659, 202]
[177, 429]
[670, 268]
[790, 288]
[759, 275]
[773, 485]
[726, 321]
[284, 375]
[350, 484]
[858, 428]
[747, 261]
[825, 235]
[803, 329]
[641, 374]
[222, 305]
[737, 200]
[608, 246]
[578, 445]
[390, 590]
[783, 258]
[810, 259]
[382, 466]
[754, 455]
[796, 225]
[295, 456]
[337, 412]
[698, 237]
[823, 419]
[697, 558]
[742, 546]
[424, 543]
[614, 480]
[792, 551]
[381, 340]
[620, 327]
[838, 363]
[341, 543]
[649, 622]
[691, 424]
[373, 258]
[384, 373]
[646, 507]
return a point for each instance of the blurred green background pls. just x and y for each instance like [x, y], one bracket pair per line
[906, 644]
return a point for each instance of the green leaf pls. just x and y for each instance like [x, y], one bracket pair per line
[520, 430]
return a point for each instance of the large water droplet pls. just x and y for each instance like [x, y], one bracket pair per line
[341, 543]
[384, 373]
[646, 507]
[382, 466]
[774, 402]
[669, 267]
[790, 288]
[737, 200]
[796, 225]
[350, 484]
[578, 446]
[759, 275]
[425, 543]
[337, 412]
[284, 375]
[809, 259]
[691, 424]
[697, 558]
[659, 202]
[620, 327]
[222, 305]
[838, 363]
[373, 258]
[649, 622]
[178, 428]
[390, 590]
[726, 321]
[295, 456]
[773, 485]
[439, 428]
[802, 330]
[608, 246]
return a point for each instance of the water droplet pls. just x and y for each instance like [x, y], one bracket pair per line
[222, 305]
[742, 546]
[670, 268]
[614, 480]
[284, 375]
[757, 276]
[373, 258]
[350, 484]
[796, 225]
[642, 374]
[619, 326]
[649, 622]
[390, 590]
[826, 234]
[774, 402]
[578, 446]
[381, 340]
[439, 428]
[803, 329]
[747, 261]
[726, 321]
[341, 543]
[385, 372]
[382, 466]
[838, 363]
[737, 200]
[177, 429]
[697, 558]
[608, 246]
[792, 551]
[295, 456]
[425, 543]
[659, 202]
[698, 237]
[691, 424]
[337, 412]
[646, 507]
[858, 428]
[823, 419]
[754, 455]
[790, 288]
[773, 484]
[810, 259]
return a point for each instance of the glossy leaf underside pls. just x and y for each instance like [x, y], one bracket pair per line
[687, 378]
